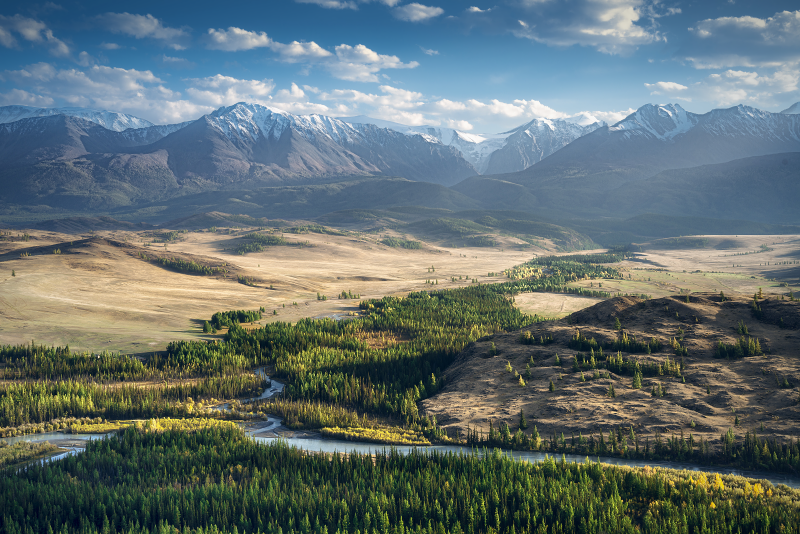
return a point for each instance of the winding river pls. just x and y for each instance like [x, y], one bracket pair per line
[332, 445]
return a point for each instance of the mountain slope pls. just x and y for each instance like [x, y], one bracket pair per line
[651, 140]
[511, 151]
[532, 142]
[759, 188]
[111, 120]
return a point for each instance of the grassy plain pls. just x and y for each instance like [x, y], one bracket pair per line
[99, 296]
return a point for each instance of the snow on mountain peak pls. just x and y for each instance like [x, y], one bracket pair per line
[663, 122]
[111, 120]
[247, 121]
[794, 109]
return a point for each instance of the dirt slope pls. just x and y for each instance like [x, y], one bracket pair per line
[480, 389]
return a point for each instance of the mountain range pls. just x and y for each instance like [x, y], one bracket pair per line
[78, 159]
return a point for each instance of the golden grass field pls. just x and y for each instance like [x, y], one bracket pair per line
[101, 296]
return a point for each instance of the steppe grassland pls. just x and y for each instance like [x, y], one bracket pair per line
[103, 298]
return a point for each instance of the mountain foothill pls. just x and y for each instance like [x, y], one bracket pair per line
[734, 163]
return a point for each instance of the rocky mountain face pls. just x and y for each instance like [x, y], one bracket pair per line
[111, 120]
[510, 151]
[63, 159]
[579, 177]
[531, 143]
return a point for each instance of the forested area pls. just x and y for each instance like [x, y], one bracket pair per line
[214, 479]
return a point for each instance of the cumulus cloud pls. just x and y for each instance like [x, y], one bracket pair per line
[24, 98]
[660, 88]
[144, 27]
[31, 30]
[235, 39]
[415, 12]
[222, 90]
[353, 63]
[734, 86]
[345, 4]
[132, 91]
[610, 26]
[361, 64]
[330, 4]
[744, 42]
[176, 62]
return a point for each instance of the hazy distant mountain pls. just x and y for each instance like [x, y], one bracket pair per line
[510, 151]
[107, 119]
[66, 160]
[794, 109]
[651, 140]
[758, 188]
[534, 141]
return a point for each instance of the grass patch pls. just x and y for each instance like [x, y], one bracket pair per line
[390, 436]
[23, 451]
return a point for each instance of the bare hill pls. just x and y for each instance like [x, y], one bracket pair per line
[704, 398]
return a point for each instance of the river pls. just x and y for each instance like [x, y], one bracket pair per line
[333, 445]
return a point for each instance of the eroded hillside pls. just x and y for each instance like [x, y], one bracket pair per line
[701, 392]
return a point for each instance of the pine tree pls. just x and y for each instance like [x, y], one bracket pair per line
[637, 381]
[523, 424]
[611, 392]
[552, 386]
[617, 324]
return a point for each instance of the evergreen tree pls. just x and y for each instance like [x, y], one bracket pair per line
[523, 424]
[617, 324]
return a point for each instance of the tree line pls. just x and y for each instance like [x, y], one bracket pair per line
[213, 479]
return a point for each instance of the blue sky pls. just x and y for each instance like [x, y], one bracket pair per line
[476, 65]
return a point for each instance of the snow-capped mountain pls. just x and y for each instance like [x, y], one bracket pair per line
[111, 120]
[794, 109]
[310, 145]
[653, 139]
[534, 141]
[510, 151]
[659, 122]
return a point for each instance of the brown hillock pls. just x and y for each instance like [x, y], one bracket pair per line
[479, 390]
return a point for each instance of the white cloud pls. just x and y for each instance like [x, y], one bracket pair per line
[85, 59]
[30, 30]
[110, 46]
[23, 98]
[610, 26]
[473, 9]
[744, 87]
[462, 125]
[361, 64]
[330, 4]
[744, 42]
[132, 91]
[352, 63]
[144, 27]
[176, 62]
[222, 90]
[415, 12]
[234, 39]
[660, 88]
[297, 52]
[429, 51]
[345, 4]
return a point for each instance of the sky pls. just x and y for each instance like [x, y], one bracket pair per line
[481, 66]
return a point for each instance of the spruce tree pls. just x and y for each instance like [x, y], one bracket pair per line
[552, 386]
[523, 424]
[617, 324]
